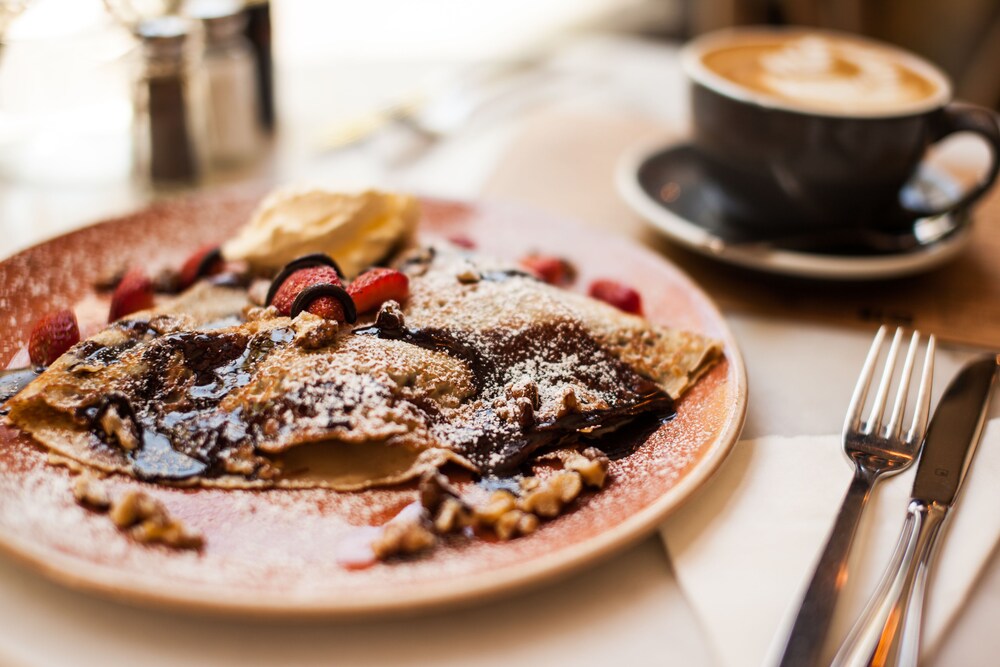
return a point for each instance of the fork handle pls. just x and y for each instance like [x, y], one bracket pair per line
[805, 641]
[888, 632]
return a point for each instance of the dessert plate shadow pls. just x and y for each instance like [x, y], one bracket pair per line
[268, 553]
[668, 186]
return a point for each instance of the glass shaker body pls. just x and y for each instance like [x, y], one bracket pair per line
[235, 131]
[169, 100]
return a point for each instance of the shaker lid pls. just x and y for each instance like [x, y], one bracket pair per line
[222, 18]
[164, 36]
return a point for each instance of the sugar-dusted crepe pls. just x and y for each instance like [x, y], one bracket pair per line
[483, 366]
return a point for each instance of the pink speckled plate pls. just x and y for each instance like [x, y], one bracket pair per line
[270, 552]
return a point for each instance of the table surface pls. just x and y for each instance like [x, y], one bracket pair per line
[628, 609]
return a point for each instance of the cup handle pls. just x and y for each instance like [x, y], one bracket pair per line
[967, 118]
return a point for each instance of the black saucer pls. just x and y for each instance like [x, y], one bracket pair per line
[670, 187]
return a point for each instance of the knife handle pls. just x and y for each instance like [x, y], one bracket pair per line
[888, 632]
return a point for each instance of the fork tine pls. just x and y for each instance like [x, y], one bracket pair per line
[874, 422]
[864, 382]
[922, 411]
[894, 426]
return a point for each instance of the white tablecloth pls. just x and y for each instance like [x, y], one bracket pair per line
[628, 610]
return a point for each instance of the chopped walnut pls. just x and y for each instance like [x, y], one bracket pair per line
[568, 402]
[119, 427]
[526, 388]
[147, 520]
[452, 515]
[89, 493]
[468, 275]
[390, 316]
[499, 504]
[514, 523]
[402, 537]
[549, 497]
[313, 332]
[591, 464]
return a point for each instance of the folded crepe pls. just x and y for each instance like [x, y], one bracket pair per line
[483, 366]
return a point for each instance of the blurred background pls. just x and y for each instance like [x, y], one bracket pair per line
[106, 104]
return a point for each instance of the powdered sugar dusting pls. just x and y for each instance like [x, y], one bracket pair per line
[277, 549]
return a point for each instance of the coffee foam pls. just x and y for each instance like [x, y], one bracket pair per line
[830, 74]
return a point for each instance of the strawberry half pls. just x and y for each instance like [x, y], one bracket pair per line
[376, 286]
[549, 268]
[52, 335]
[325, 306]
[618, 295]
[205, 261]
[134, 293]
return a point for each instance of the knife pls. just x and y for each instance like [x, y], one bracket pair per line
[888, 632]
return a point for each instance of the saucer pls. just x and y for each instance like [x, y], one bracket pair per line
[668, 186]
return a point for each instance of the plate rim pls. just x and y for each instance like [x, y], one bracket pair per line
[126, 587]
[776, 261]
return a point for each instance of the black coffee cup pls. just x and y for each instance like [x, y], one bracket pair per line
[825, 160]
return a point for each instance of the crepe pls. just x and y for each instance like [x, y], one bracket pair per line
[483, 366]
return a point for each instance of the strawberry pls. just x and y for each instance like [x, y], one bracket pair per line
[52, 335]
[618, 295]
[551, 269]
[205, 261]
[134, 293]
[376, 286]
[462, 241]
[325, 306]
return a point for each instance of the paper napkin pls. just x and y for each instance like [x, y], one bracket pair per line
[744, 548]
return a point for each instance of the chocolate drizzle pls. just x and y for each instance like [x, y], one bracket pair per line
[497, 444]
[307, 296]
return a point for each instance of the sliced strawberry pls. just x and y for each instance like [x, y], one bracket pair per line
[376, 286]
[134, 293]
[618, 295]
[205, 261]
[52, 335]
[553, 270]
[325, 306]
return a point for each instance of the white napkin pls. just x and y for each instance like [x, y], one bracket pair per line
[744, 548]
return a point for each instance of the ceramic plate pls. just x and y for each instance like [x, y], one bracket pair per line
[272, 552]
[667, 186]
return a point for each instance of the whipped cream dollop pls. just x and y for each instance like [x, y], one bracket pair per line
[356, 229]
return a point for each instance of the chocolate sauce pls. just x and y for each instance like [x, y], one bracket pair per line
[13, 380]
[501, 446]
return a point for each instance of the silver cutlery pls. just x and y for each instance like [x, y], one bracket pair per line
[877, 448]
[888, 632]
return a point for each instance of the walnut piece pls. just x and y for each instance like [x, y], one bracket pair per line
[146, 519]
[313, 332]
[592, 464]
[119, 427]
[89, 493]
[402, 537]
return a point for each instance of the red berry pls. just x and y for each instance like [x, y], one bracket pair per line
[618, 295]
[52, 335]
[190, 270]
[551, 269]
[462, 241]
[134, 293]
[376, 286]
[325, 306]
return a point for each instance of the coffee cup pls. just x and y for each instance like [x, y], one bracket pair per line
[807, 130]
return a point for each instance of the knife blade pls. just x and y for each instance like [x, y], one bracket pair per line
[954, 433]
[888, 632]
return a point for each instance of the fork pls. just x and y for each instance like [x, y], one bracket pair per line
[877, 449]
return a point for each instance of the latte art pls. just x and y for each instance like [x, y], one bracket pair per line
[822, 73]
